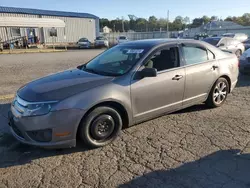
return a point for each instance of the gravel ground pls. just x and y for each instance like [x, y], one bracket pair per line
[18, 69]
[195, 147]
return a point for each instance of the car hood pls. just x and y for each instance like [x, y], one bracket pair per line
[61, 85]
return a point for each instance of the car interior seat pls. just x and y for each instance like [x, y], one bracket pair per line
[164, 61]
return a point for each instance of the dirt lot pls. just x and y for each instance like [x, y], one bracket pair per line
[195, 147]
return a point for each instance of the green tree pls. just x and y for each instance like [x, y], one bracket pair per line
[197, 22]
[177, 24]
[214, 18]
[141, 24]
[180, 18]
[205, 19]
[229, 18]
[104, 22]
[246, 19]
[132, 21]
[152, 22]
[186, 20]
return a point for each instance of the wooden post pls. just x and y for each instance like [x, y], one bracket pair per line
[53, 39]
[7, 38]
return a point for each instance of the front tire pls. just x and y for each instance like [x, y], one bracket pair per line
[218, 93]
[100, 127]
[238, 53]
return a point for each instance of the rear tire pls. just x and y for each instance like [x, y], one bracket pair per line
[238, 53]
[100, 127]
[218, 93]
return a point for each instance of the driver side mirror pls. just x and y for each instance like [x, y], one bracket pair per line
[148, 72]
[221, 44]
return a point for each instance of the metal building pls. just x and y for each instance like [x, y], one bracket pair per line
[78, 25]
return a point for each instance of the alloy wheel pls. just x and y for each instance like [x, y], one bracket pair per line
[220, 92]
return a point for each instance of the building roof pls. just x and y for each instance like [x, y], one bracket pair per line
[221, 25]
[30, 22]
[45, 12]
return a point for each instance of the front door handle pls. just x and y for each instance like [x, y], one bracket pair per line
[215, 67]
[177, 77]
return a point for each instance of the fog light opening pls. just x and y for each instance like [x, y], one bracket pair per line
[41, 135]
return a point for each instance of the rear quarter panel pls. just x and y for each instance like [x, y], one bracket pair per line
[229, 66]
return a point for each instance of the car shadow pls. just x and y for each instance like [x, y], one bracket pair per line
[13, 153]
[198, 107]
[225, 168]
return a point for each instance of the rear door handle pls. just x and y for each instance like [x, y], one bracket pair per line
[177, 77]
[215, 67]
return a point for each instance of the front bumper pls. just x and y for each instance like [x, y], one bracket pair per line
[84, 45]
[62, 125]
[101, 45]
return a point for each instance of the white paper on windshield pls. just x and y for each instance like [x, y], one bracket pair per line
[135, 51]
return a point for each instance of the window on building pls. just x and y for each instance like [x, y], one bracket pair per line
[15, 32]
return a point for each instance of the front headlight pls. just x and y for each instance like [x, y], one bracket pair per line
[37, 109]
[32, 108]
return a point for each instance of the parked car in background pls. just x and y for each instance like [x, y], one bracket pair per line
[238, 36]
[245, 62]
[101, 42]
[84, 43]
[122, 39]
[127, 84]
[247, 44]
[227, 44]
[200, 36]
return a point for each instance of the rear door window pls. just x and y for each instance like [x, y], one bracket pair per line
[194, 54]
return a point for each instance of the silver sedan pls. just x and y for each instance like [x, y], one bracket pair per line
[127, 84]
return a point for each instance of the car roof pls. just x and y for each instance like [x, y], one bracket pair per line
[215, 37]
[151, 43]
[157, 42]
[220, 38]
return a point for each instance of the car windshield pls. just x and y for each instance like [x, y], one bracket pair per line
[115, 61]
[100, 38]
[122, 38]
[83, 40]
[213, 41]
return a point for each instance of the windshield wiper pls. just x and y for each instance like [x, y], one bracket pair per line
[90, 70]
[84, 68]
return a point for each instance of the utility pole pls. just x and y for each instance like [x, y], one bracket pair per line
[168, 25]
[123, 24]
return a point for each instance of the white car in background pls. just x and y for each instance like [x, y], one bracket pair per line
[101, 42]
[238, 36]
[83, 43]
[122, 39]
